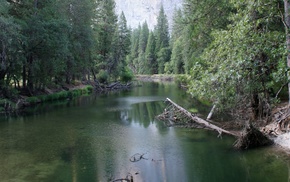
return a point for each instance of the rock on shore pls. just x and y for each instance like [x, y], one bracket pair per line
[283, 140]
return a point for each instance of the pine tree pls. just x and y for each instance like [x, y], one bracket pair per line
[177, 63]
[162, 40]
[121, 45]
[144, 34]
[151, 66]
[132, 58]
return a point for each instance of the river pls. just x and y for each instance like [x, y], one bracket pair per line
[92, 138]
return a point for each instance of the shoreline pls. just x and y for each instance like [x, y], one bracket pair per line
[283, 141]
[156, 78]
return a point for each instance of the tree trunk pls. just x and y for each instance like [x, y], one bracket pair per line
[201, 121]
[30, 74]
[287, 24]
[24, 78]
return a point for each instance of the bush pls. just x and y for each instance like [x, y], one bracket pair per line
[103, 76]
[89, 88]
[62, 95]
[32, 100]
[127, 75]
[42, 98]
[181, 80]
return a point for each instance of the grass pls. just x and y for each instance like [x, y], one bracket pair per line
[62, 95]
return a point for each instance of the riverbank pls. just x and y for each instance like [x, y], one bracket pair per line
[21, 101]
[283, 140]
[61, 92]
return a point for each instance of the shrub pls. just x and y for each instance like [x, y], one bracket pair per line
[89, 88]
[127, 75]
[62, 95]
[32, 100]
[103, 76]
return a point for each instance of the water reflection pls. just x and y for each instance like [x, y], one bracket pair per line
[92, 138]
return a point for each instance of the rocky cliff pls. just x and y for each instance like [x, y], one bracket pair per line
[138, 11]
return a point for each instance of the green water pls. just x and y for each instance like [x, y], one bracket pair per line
[92, 138]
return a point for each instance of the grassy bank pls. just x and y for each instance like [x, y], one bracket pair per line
[60, 95]
[8, 106]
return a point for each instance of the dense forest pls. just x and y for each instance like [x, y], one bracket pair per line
[49, 43]
[232, 53]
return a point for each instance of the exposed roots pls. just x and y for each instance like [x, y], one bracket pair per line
[251, 137]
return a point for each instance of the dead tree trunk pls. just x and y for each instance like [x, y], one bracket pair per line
[251, 137]
[201, 121]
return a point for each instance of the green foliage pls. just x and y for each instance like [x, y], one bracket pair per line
[89, 89]
[32, 100]
[127, 75]
[4, 102]
[62, 95]
[150, 50]
[163, 56]
[244, 61]
[7, 106]
[177, 58]
[162, 49]
[151, 65]
[53, 42]
[103, 76]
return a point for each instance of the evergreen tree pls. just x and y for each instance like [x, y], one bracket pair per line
[80, 16]
[132, 58]
[144, 34]
[161, 30]
[199, 20]
[176, 57]
[162, 40]
[105, 29]
[151, 66]
[121, 47]
[177, 63]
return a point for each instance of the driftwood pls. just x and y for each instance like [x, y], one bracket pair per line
[137, 157]
[111, 87]
[250, 137]
[201, 121]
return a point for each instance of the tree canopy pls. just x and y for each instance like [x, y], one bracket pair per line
[46, 43]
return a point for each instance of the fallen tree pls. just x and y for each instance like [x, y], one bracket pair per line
[250, 137]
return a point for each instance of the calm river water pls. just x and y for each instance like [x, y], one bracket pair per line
[92, 138]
